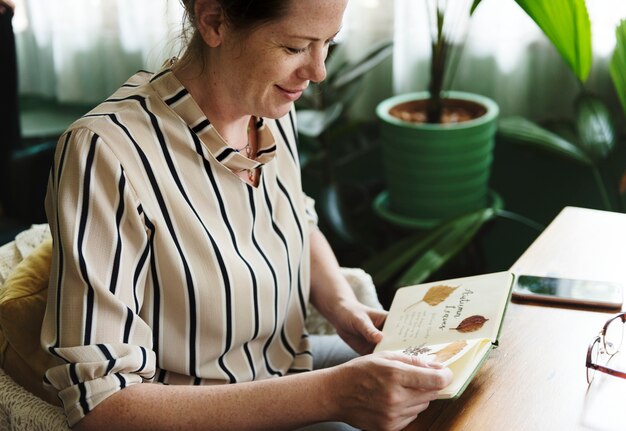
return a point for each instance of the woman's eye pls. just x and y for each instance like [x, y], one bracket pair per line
[293, 50]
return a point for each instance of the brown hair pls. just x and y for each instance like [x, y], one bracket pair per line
[242, 15]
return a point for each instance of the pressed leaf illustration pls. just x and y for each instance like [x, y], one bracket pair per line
[471, 324]
[435, 295]
[449, 351]
[416, 350]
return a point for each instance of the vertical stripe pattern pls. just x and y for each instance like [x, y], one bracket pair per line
[179, 271]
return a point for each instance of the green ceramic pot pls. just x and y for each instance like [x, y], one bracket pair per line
[437, 171]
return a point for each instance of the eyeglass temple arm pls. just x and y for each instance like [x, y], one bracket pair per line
[607, 370]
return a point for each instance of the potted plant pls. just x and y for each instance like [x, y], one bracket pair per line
[437, 145]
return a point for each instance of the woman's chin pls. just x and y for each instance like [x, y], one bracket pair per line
[278, 111]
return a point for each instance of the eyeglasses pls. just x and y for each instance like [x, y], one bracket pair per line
[606, 344]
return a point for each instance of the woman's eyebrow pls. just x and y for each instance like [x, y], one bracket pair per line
[311, 38]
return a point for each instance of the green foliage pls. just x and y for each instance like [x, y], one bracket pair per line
[566, 23]
[414, 258]
[325, 128]
[449, 20]
[330, 98]
[327, 133]
[322, 109]
[595, 128]
[618, 74]
[618, 63]
[591, 137]
[524, 131]
[474, 6]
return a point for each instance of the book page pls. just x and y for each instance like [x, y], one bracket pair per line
[443, 312]
[464, 367]
[462, 357]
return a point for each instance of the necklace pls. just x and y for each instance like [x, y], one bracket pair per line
[244, 151]
[249, 151]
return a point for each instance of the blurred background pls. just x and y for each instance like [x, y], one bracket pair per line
[71, 54]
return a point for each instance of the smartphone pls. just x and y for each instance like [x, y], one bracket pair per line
[601, 294]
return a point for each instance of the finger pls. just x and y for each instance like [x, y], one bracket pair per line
[366, 327]
[428, 379]
[413, 360]
[411, 415]
[420, 374]
[378, 317]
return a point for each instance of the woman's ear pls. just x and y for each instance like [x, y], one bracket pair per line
[210, 21]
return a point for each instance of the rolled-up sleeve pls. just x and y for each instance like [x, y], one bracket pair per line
[99, 273]
[309, 210]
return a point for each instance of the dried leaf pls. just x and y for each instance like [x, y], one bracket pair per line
[450, 350]
[435, 295]
[471, 324]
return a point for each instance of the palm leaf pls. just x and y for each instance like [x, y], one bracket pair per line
[422, 253]
[474, 6]
[523, 131]
[349, 72]
[595, 129]
[618, 63]
[387, 264]
[566, 23]
[447, 242]
[312, 123]
[330, 208]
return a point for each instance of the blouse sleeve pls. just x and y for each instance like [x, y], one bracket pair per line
[310, 213]
[98, 276]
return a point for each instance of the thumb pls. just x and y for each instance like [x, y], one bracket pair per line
[369, 331]
[415, 360]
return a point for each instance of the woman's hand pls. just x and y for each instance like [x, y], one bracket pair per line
[386, 390]
[358, 325]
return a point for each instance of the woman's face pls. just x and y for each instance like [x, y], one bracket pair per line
[266, 70]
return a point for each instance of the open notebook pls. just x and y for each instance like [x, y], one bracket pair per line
[455, 322]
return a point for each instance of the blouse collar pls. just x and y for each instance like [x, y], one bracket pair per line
[176, 96]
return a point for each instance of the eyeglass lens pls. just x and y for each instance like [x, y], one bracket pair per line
[613, 336]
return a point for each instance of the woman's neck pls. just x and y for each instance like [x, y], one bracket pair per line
[197, 78]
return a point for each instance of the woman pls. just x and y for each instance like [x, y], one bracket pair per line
[185, 250]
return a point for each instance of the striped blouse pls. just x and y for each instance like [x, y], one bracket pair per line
[167, 266]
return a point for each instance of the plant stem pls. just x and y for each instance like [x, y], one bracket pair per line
[602, 187]
[520, 219]
[439, 46]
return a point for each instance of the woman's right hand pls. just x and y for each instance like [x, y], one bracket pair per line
[386, 390]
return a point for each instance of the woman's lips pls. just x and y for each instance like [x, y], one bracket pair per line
[292, 95]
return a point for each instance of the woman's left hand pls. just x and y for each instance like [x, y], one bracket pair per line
[359, 325]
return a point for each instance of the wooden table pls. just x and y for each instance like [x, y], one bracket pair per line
[535, 379]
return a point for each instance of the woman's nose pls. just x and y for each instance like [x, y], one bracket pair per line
[315, 69]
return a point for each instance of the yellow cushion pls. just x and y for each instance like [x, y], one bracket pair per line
[22, 306]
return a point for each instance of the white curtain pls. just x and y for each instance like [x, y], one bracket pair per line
[507, 57]
[82, 50]
[367, 22]
[79, 51]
